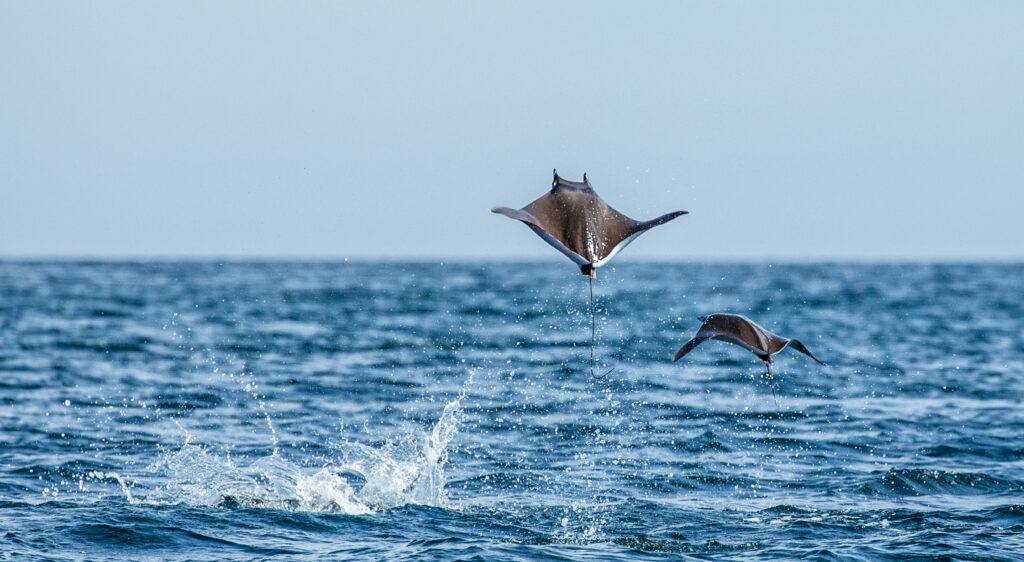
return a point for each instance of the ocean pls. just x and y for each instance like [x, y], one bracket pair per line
[204, 410]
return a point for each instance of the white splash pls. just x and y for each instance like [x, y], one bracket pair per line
[364, 480]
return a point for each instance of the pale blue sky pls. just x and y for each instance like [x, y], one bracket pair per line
[796, 130]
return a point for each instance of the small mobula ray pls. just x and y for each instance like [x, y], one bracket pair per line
[743, 332]
[577, 222]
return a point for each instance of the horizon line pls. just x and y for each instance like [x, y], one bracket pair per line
[272, 258]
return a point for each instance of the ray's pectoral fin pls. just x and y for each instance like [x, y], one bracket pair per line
[688, 347]
[799, 346]
[532, 222]
[518, 214]
[637, 229]
[647, 225]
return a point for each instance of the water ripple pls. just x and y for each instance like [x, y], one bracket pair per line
[421, 411]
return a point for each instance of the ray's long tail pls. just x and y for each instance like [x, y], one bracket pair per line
[593, 334]
[593, 327]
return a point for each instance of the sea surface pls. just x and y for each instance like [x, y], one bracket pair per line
[426, 411]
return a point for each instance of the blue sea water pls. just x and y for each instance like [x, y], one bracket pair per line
[422, 411]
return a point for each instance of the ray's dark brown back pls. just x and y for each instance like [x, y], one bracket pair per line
[745, 330]
[575, 215]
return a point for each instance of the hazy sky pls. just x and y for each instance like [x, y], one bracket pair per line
[789, 130]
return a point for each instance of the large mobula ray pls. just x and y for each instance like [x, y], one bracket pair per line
[577, 222]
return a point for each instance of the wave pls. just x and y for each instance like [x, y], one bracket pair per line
[364, 480]
[919, 482]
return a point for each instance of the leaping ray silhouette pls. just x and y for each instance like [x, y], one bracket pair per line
[577, 222]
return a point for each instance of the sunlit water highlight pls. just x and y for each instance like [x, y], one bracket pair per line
[424, 411]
